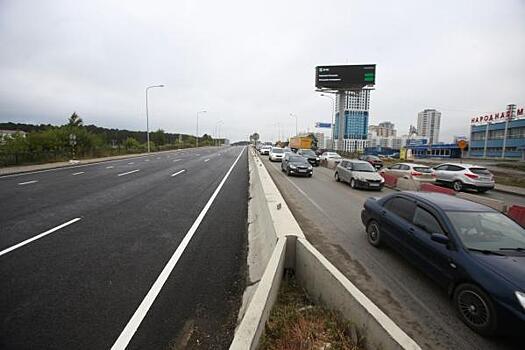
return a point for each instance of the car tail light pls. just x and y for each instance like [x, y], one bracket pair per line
[433, 174]
[472, 176]
[416, 173]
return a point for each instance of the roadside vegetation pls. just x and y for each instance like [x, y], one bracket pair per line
[34, 144]
[295, 323]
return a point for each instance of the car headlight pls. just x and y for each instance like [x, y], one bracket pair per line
[309, 167]
[521, 299]
[382, 180]
[292, 166]
[317, 158]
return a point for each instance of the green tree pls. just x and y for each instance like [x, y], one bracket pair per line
[75, 120]
[131, 144]
[159, 137]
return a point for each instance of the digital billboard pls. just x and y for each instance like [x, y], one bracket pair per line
[345, 77]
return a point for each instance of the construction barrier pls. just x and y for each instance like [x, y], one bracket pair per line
[517, 213]
[428, 187]
[390, 180]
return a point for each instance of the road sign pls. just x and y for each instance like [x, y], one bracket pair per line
[323, 125]
[347, 77]
[462, 144]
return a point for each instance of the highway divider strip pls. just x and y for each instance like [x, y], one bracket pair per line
[321, 279]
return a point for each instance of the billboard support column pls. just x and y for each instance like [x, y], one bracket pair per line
[341, 101]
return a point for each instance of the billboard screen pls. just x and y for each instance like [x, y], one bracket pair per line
[323, 125]
[345, 77]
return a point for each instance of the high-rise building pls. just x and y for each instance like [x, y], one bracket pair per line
[383, 129]
[428, 123]
[351, 131]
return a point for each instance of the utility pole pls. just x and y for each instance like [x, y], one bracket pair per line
[147, 116]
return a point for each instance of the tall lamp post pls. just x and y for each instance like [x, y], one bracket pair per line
[197, 135]
[218, 132]
[333, 114]
[294, 115]
[147, 116]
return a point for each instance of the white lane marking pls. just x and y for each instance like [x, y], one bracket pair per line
[80, 172]
[205, 160]
[147, 160]
[176, 160]
[128, 172]
[110, 167]
[158, 157]
[5, 251]
[198, 154]
[131, 163]
[27, 182]
[178, 172]
[133, 324]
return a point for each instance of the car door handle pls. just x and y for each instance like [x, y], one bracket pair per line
[383, 212]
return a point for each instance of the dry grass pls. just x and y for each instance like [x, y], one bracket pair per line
[296, 324]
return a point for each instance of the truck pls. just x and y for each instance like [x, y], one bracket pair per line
[303, 142]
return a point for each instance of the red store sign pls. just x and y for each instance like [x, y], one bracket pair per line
[497, 117]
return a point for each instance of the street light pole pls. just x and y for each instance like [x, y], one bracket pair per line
[293, 115]
[197, 135]
[333, 114]
[147, 114]
[217, 131]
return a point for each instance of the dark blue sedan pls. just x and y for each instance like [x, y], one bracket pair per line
[475, 252]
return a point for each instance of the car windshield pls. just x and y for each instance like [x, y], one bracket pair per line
[480, 171]
[366, 167]
[297, 159]
[487, 231]
[277, 150]
[373, 158]
[422, 169]
[308, 152]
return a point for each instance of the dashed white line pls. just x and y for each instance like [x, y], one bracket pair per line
[80, 172]
[177, 160]
[27, 182]
[146, 160]
[205, 160]
[110, 167]
[5, 251]
[133, 324]
[131, 163]
[158, 157]
[198, 154]
[129, 172]
[178, 172]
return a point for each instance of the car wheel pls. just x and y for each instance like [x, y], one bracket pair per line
[352, 183]
[475, 309]
[309, 175]
[337, 177]
[457, 186]
[373, 233]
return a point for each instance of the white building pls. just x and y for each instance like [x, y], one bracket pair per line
[428, 124]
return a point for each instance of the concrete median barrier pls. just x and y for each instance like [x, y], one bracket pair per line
[517, 213]
[429, 187]
[489, 202]
[318, 276]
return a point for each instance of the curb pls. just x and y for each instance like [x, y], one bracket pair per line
[321, 279]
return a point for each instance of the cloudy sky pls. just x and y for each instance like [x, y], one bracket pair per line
[251, 63]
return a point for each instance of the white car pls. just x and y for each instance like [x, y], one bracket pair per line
[265, 150]
[276, 154]
[329, 155]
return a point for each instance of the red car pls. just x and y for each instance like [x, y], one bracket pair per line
[375, 161]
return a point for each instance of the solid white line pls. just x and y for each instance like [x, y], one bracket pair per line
[80, 172]
[129, 172]
[110, 167]
[5, 251]
[178, 172]
[133, 324]
[27, 182]
[205, 160]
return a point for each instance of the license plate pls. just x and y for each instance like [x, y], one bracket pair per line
[302, 170]
[373, 185]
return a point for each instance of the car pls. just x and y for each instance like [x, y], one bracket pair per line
[474, 252]
[329, 155]
[417, 172]
[265, 150]
[276, 154]
[374, 160]
[464, 176]
[359, 174]
[294, 164]
[309, 155]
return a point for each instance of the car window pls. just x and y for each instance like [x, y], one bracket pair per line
[442, 167]
[423, 169]
[404, 167]
[395, 166]
[426, 221]
[344, 163]
[454, 168]
[366, 167]
[480, 171]
[401, 207]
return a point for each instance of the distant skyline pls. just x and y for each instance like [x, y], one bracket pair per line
[251, 64]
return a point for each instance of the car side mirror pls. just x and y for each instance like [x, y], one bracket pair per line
[440, 238]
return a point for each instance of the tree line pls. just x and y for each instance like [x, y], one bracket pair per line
[45, 142]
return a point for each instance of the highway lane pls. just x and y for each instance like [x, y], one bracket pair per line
[329, 214]
[79, 286]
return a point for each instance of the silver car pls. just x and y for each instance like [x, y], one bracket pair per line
[463, 176]
[359, 173]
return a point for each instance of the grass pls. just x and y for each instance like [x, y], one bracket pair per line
[295, 323]
[516, 166]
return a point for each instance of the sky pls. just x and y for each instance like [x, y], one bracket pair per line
[250, 64]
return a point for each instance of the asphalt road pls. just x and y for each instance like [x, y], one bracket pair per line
[147, 252]
[329, 214]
